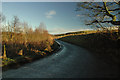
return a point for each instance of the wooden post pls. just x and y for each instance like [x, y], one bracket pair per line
[4, 54]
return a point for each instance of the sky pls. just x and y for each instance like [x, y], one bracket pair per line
[59, 17]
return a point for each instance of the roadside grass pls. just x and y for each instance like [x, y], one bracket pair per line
[14, 60]
[104, 45]
[25, 48]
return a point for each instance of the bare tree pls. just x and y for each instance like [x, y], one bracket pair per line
[26, 28]
[15, 23]
[101, 12]
[2, 17]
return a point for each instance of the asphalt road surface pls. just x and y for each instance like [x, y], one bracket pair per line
[70, 62]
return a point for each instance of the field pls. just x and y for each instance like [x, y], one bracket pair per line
[101, 44]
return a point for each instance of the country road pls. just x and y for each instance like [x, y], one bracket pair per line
[70, 62]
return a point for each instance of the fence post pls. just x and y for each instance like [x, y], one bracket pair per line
[4, 54]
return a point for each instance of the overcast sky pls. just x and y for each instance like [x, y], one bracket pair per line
[59, 17]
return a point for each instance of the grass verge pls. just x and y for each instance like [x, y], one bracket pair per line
[100, 44]
[16, 62]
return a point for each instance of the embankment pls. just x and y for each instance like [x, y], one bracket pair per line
[101, 45]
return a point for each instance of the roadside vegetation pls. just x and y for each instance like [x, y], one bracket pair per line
[21, 44]
[74, 33]
[104, 45]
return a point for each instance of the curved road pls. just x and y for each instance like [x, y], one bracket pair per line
[70, 62]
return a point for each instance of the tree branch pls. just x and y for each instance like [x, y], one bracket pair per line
[113, 9]
[112, 22]
[117, 2]
[108, 12]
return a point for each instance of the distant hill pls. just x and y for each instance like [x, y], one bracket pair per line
[75, 33]
[78, 32]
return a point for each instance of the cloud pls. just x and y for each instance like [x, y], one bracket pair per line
[50, 14]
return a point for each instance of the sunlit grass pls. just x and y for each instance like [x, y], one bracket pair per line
[102, 44]
[35, 43]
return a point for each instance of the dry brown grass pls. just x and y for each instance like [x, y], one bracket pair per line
[24, 48]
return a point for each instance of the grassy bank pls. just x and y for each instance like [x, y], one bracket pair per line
[21, 44]
[101, 44]
[15, 60]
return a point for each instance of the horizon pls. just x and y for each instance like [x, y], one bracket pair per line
[59, 17]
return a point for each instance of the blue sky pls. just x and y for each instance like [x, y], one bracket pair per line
[59, 17]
